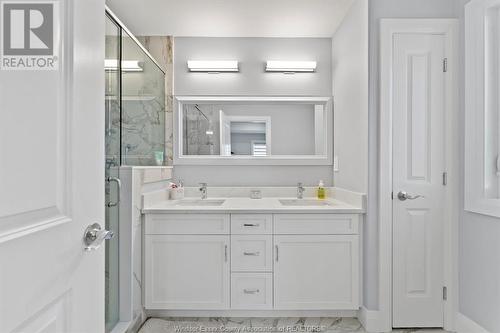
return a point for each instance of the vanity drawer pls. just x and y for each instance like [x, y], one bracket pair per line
[316, 224]
[187, 224]
[252, 253]
[252, 291]
[252, 224]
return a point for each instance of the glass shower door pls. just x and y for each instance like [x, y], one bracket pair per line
[143, 107]
[112, 141]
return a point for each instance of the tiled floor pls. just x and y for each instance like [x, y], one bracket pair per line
[260, 325]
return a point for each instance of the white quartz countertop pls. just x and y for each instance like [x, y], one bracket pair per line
[247, 205]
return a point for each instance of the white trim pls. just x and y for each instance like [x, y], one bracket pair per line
[475, 106]
[252, 313]
[209, 99]
[324, 159]
[467, 325]
[448, 28]
[371, 320]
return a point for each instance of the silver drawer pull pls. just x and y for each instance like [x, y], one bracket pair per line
[251, 225]
[251, 253]
[251, 291]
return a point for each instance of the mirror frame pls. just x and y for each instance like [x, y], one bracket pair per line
[320, 102]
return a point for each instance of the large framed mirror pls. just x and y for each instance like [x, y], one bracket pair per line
[253, 131]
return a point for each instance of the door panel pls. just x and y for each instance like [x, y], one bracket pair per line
[51, 176]
[418, 166]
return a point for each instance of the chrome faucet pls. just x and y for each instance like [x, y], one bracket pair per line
[203, 190]
[300, 191]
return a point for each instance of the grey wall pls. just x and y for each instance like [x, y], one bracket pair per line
[252, 54]
[479, 256]
[350, 88]
[254, 81]
[386, 9]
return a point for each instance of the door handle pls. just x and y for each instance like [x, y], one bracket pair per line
[251, 224]
[402, 195]
[251, 291]
[94, 235]
[119, 184]
[251, 253]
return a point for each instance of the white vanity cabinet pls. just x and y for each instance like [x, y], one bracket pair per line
[317, 262]
[316, 272]
[250, 262]
[185, 268]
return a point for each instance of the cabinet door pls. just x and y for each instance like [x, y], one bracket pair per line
[316, 272]
[186, 272]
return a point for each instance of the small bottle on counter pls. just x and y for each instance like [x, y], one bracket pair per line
[321, 190]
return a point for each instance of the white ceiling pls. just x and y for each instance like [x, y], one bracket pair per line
[232, 18]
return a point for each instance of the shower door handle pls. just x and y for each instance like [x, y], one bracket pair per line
[119, 184]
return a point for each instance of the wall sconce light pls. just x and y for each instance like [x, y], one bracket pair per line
[216, 66]
[127, 65]
[291, 66]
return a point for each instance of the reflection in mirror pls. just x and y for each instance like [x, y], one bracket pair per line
[247, 136]
[247, 129]
[201, 130]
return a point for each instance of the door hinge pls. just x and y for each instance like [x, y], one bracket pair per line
[445, 293]
[445, 65]
[392, 195]
[445, 178]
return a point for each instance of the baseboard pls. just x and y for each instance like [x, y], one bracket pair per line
[373, 321]
[467, 325]
[251, 313]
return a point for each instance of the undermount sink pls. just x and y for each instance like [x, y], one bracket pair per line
[200, 202]
[304, 202]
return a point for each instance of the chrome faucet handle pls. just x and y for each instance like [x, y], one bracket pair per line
[300, 190]
[203, 190]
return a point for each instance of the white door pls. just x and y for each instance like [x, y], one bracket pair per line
[418, 166]
[188, 272]
[316, 272]
[51, 175]
[225, 134]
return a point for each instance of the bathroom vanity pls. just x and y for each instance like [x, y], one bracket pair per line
[237, 253]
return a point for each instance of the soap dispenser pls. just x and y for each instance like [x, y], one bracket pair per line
[321, 190]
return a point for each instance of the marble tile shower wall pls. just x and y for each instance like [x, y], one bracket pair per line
[161, 48]
[142, 130]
